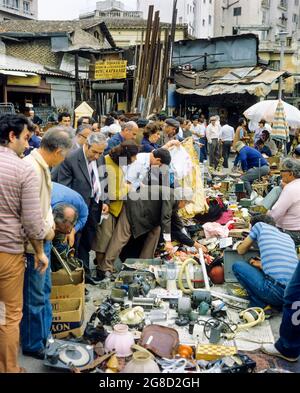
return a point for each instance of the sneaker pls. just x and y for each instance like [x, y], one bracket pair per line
[92, 280]
[270, 312]
[87, 297]
[269, 349]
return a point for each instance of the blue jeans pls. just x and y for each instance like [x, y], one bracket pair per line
[37, 309]
[262, 291]
[289, 342]
[198, 151]
[203, 151]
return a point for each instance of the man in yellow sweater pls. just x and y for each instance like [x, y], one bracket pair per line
[118, 189]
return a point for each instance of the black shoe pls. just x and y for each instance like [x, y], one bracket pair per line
[92, 280]
[100, 275]
[87, 295]
[40, 355]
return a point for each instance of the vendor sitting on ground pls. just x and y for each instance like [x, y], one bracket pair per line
[266, 137]
[253, 164]
[265, 279]
[263, 149]
[286, 211]
[296, 153]
[150, 211]
[273, 196]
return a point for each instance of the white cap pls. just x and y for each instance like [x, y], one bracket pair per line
[114, 129]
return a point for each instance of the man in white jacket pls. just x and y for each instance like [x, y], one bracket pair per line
[213, 139]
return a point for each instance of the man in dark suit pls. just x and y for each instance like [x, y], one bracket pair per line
[150, 211]
[84, 171]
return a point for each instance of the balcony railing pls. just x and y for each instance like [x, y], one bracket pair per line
[13, 8]
[283, 4]
[265, 3]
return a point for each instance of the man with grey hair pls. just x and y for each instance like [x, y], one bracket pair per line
[82, 133]
[286, 211]
[65, 218]
[84, 171]
[129, 133]
[37, 310]
[151, 211]
[275, 193]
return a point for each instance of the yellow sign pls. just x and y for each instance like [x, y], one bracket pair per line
[110, 69]
[31, 80]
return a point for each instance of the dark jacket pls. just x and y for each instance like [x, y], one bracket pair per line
[73, 173]
[114, 141]
[148, 209]
[148, 147]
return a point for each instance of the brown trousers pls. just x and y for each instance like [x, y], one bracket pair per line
[11, 304]
[121, 237]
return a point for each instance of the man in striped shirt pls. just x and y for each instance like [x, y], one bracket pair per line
[37, 310]
[20, 220]
[266, 279]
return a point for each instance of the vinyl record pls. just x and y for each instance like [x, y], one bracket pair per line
[76, 355]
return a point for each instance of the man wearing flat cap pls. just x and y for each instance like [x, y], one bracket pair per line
[169, 132]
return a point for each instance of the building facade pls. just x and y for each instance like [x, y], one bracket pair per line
[197, 14]
[266, 19]
[263, 17]
[18, 9]
[111, 9]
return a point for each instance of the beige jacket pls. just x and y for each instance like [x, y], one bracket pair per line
[45, 187]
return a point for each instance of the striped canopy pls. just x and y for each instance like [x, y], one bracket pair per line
[280, 128]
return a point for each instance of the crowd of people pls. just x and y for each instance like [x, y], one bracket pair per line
[103, 185]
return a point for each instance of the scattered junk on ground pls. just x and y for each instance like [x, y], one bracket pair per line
[179, 314]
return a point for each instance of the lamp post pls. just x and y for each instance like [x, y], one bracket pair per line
[282, 38]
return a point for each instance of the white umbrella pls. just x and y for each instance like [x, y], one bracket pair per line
[267, 110]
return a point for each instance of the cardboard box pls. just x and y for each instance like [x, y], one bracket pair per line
[63, 288]
[68, 318]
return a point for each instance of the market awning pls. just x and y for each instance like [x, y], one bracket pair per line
[108, 87]
[259, 90]
[256, 81]
[17, 73]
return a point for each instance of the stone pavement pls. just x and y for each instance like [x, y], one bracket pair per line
[96, 296]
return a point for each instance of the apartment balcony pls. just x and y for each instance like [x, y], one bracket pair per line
[14, 9]
[265, 3]
[275, 46]
[283, 5]
[120, 14]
